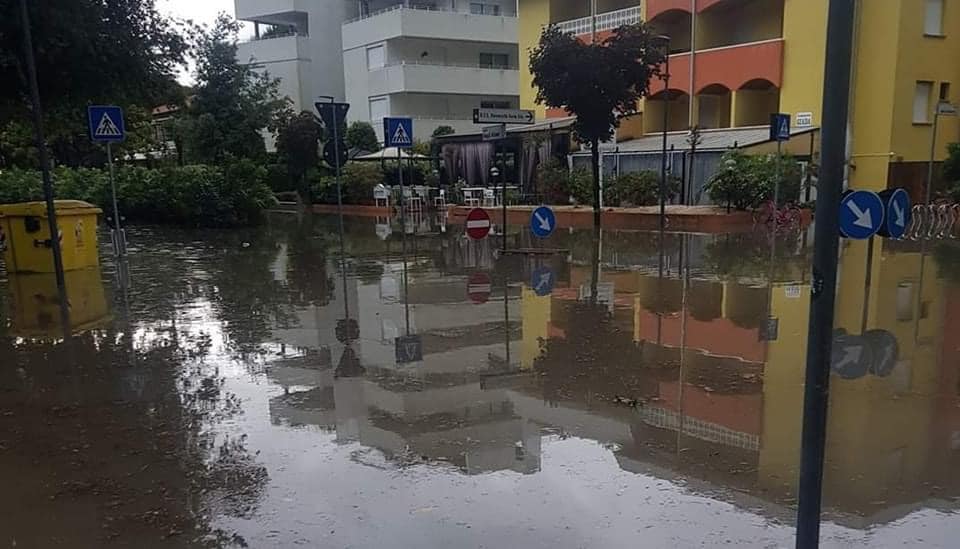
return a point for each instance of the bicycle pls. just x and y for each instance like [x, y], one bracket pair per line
[788, 217]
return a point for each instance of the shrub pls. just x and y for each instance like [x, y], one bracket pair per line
[745, 182]
[639, 189]
[558, 185]
[415, 175]
[359, 179]
[235, 194]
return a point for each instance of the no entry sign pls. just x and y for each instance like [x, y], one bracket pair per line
[478, 288]
[478, 224]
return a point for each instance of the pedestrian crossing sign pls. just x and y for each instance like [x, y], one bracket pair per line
[106, 123]
[398, 132]
[779, 127]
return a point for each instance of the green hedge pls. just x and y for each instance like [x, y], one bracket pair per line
[210, 196]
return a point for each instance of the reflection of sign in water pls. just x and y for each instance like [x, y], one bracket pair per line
[478, 288]
[770, 330]
[409, 349]
[541, 280]
[876, 352]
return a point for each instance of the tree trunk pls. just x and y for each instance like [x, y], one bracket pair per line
[595, 164]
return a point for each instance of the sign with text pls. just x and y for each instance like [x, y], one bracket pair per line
[503, 116]
[494, 133]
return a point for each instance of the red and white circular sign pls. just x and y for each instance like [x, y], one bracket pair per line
[478, 288]
[478, 224]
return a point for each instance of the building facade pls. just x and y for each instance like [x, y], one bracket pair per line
[297, 41]
[733, 62]
[434, 61]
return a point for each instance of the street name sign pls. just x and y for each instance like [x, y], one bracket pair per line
[503, 116]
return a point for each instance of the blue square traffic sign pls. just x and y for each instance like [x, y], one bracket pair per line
[398, 132]
[106, 123]
[779, 127]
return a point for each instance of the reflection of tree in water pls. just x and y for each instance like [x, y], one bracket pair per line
[122, 426]
[947, 255]
[595, 359]
[748, 255]
[310, 253]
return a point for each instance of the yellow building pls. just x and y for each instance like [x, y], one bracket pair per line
[734, 62]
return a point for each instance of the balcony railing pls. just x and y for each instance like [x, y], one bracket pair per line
[605, 21]
[453, 65]
[422, 8]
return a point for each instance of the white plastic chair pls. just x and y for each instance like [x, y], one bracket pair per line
[489, 197]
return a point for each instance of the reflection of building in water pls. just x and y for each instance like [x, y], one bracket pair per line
[445, 407]
[709, 398]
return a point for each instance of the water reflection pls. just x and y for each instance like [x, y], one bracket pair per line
[387, 382]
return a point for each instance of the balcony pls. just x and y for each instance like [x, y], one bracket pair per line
[404, 21]
[274, 50]
[656, 7]
[422, 78]
[606, 22]
[252, 10]
[732, 67]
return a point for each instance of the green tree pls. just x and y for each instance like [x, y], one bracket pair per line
[298, 143]
[443, 130]
[360, 135]
[745, 181]
[232, 104]
[951, 171]
[119, 52]
[596, 82]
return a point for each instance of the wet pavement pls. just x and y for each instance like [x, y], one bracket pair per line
[259, 388]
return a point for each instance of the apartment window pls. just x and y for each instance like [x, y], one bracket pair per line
[495, 105]
[933, 18]
[921, 102]
[375, 58]
[481, 8]
[378, 111]
[945, 91]
[494, 60]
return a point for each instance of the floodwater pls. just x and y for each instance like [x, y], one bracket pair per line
[394, 385]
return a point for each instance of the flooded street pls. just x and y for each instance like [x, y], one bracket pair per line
[391, 385]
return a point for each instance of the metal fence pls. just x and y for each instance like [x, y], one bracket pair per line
[678, 164]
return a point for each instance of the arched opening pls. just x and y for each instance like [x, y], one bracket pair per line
[741, 22]
[713, 107]
[755, 101]
[677, 117]
[676, 25]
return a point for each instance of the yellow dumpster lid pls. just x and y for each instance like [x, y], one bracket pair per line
[39, 209]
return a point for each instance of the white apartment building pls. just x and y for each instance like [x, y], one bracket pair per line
[298, 41]
[432, 60]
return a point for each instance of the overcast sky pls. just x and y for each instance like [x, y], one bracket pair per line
[200, 11]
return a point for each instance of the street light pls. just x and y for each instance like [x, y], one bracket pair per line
[666, 121]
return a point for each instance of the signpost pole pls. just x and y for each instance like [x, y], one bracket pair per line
[777, 175]
[41, 144]
[503, 179]
[836, 99]
[119, 239]
[403, 215]
[933, 152]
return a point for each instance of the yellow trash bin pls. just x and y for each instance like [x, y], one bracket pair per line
[28, 236]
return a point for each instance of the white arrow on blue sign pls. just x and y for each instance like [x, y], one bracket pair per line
[541, 280]
[861, 214]
[543, 222]
[898, 212]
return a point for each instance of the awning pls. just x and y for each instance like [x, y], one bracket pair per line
[391, 153]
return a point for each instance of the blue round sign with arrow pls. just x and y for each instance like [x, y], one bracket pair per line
[861, 214]
[541, 280]
[543, 222]
[898, 212]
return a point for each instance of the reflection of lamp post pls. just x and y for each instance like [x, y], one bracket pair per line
[666, 121]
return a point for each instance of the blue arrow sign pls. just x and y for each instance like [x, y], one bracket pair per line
[896, 203]
[861, 214]
[543, 222]
[541, 280]
[398, 132]
[106, 123]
